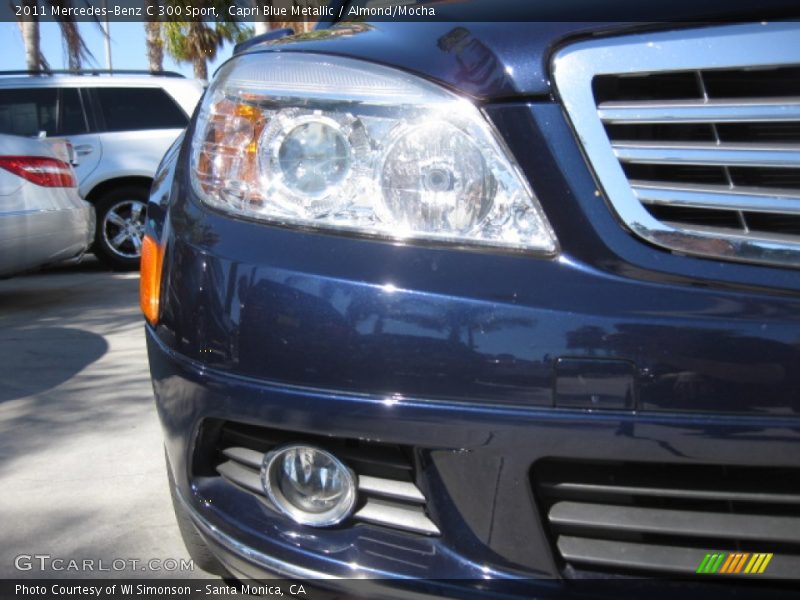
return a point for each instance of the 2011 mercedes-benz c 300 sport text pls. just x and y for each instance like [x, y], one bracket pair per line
[470, 300]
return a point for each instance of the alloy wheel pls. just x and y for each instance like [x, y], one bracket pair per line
[123, 228]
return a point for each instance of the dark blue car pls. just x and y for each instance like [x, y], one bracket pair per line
[453, 301]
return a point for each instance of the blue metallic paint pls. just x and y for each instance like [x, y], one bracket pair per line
[452, 352]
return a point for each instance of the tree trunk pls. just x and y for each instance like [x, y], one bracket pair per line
[200, 67]
[155, 45]
[263, 24]
[308, 23]
[30, 37]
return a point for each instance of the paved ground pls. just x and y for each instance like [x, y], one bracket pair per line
[81, 459]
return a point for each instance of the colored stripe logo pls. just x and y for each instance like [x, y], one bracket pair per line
[733, 563]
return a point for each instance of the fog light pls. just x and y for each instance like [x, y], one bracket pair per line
[309, 485]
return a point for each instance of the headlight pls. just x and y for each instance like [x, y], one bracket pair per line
[345, 145]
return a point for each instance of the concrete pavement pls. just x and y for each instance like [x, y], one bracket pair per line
[81, 456]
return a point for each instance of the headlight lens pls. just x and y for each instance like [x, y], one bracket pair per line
[340, 144]
[314, 157]
[434, 179]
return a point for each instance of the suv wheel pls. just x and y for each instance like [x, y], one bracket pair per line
[121, 216]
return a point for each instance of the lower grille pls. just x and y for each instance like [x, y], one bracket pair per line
[388, 496]
[627, 518]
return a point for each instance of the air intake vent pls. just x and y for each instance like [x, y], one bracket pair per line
[695, 136]
[388, 495]
[664, 520]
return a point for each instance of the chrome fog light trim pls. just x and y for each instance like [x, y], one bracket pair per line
[309, 485]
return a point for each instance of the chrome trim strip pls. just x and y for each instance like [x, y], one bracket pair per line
[236, 473]
[763, 528]
[263, 561]
[755, 110]
[718, 197]
[713, 47]
[400, 517]
[704, 154]
[401, 490]
[248, 457]
[727, 234]
[568, 487]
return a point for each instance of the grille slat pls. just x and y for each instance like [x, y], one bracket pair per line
[663, 518]
[413, 518]
[704, 524]
[572, 489]
[241, 476]
[247, 457]
[756, 110]
[714, 155]
[718, 197]
[693, 108]
[389, 488]
[648, 557]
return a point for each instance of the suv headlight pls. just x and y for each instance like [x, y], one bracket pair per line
[341, 144]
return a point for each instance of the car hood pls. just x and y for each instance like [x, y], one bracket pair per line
[495, 60]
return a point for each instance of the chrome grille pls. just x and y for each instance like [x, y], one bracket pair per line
[694, 135]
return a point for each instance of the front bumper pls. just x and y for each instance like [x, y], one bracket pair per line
[44, 235]
[477, 462]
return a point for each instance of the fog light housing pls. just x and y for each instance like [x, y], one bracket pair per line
[309, 485]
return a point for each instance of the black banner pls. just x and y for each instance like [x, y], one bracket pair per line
[373, 589]
[285, 12]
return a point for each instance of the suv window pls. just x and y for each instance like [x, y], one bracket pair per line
[132, 109]
[73, 120]
[28, 111]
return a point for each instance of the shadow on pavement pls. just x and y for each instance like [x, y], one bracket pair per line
[72, 359]
[34, 360]
[81, 449]
[89, 264]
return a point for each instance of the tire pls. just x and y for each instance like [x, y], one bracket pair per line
[121, 217]
[195, 545]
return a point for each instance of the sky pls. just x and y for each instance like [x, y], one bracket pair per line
[127, 48]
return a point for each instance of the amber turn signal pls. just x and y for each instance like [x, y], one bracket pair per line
[150, 278]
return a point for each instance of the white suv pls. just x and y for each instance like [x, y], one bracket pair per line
[120, 125]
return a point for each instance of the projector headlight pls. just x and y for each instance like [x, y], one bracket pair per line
[341, 144]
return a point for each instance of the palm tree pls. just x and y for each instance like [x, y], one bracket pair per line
[74, 46]
[198, 42]
[153, 39]
[34, 59]
[263, 25]
[155, 45]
